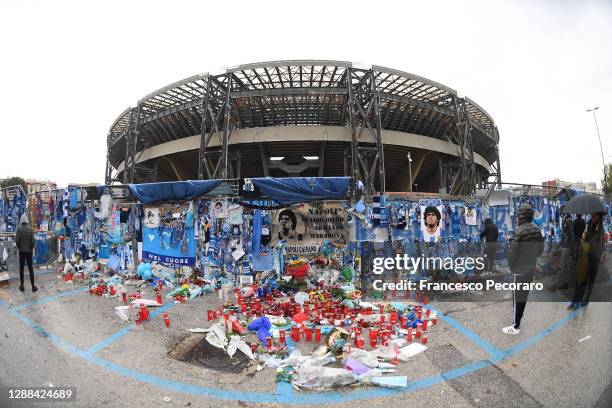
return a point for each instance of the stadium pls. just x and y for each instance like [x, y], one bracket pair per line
[308, 118]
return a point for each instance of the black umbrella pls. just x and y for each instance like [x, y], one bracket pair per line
[585, 204]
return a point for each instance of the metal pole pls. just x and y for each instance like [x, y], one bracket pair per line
[410, 169]
[603, 162]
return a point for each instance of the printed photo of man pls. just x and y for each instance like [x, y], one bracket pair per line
[430, 226]
[288, 226]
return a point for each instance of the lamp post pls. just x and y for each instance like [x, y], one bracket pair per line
[410, 169]
[603, 162]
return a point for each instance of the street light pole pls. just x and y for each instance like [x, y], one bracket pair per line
[410, 169]
[603, 162]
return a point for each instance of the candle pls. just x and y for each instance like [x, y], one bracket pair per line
[281, 336]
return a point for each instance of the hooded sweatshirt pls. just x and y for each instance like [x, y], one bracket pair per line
[24, 238]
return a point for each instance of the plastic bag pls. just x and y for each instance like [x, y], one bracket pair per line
[216, 336]
[262, 326]
[123, 312]
[367, 358]
[236, 343]
[316, 377]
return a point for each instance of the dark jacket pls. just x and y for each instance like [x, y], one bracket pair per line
[579, 226]
[568, 239]
[526, 245]
[24, 238]
[490, 232]
[594, 234]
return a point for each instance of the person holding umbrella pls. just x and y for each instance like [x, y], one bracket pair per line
[592, 246]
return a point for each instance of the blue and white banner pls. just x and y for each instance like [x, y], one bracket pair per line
[168, 246]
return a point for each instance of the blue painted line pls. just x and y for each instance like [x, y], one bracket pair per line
[51, 298]
[119, 334]
[494, 353]
[468, 368]
[284, 392]
[282, 395]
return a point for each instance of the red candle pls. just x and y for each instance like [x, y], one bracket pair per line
[418, 331]
[427, 312]
[403, 321]
[209, 315]
[360, 342]
[308, 334]
[424, 339]
[425, 325]
[318, 334]
[373, 337]
[295, 334]
[159, 298]
[409, 336]
[166, 319]
[281, 336]
[393, 317]
[434, 321]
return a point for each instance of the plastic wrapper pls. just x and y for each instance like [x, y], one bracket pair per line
[123, 312]
[317, 377]
[195, 292]
[399, 381]
[216, 336]
[236, 343]
[262, 326]
[365, 357]
[385, 353]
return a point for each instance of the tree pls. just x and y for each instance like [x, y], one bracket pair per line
[13, 181]
[606, 182]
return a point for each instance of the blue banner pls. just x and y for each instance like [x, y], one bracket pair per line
[169, 246]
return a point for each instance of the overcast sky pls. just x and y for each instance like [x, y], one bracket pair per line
[68, 69]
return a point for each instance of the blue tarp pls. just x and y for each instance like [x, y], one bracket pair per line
[172, 191]
[284, 191]
[294, 190]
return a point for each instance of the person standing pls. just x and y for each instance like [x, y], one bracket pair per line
[526, 245]
[490, 233]
[593, 237]
[568, 255]
[24, 239]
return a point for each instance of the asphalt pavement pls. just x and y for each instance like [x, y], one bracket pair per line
[63, 336]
